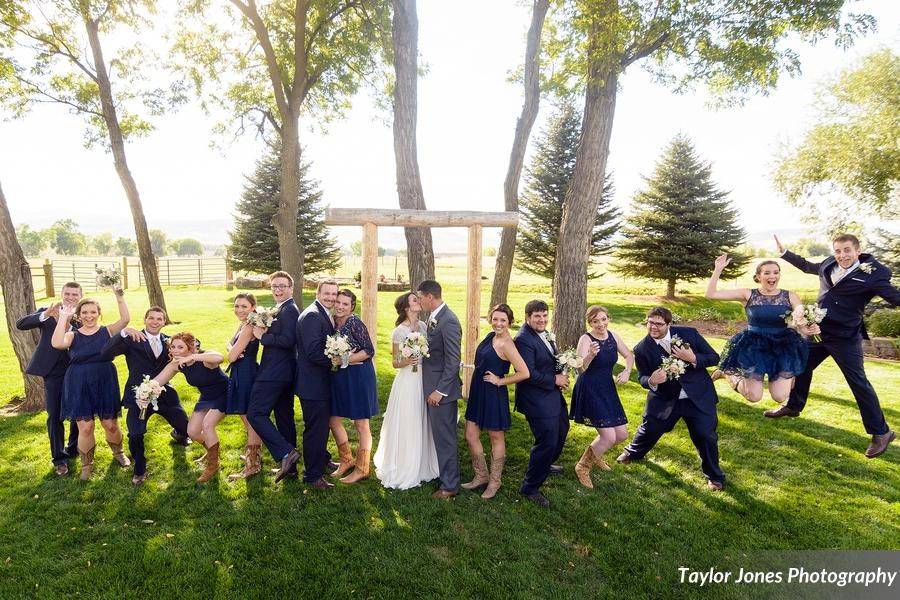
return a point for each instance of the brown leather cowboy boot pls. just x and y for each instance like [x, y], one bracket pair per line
[212, 463]
[583, 468]
[494, 484]
[346, 460]
[362, 467]
[482, 477]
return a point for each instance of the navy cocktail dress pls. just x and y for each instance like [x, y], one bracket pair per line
[241, 375]
[211, 383]
[488, 404]
[595, 399]
[91, 385]
[768, 347]
[354, 394]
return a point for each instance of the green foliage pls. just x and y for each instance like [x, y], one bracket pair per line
[254, 242]
[356, 248]
[32, 242]
[102, 243]
[490, 251]
[886, 248]
[158, 242]
[680, 222]
[547, 179]
[186, 247]
[811, 247]
[852, 151]
[126, 247]
[65, 237]
[884, 322]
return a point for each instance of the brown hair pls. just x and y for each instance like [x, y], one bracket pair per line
[351, 295]
[534, 306]
[158, 309]
[401, 304]
[72, 284]
[246, 296]
[283, 274]
[593, 311]
[846, 237]
[661, 311]
[187, 337]
[84, 301]
[325, 282]
[760, 266]
[505, 309]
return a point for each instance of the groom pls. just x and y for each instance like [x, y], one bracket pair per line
[441, 383]
[847, 282]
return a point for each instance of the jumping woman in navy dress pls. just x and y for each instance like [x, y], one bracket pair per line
[91, 386]
[488, 404]
[768, 347]
[595, 400]
[242, 367]
[354, 394]
[201, 370]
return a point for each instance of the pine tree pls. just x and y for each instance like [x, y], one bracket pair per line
[254, 241]
[680, 223]
[547, 179]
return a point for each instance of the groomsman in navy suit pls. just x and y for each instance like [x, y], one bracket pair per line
[147, 353]
[313, 382]
[691, 397]
[50, 364]
[847, 282]
[540, 399]
[273, 389]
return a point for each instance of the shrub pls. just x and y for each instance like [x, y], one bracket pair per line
[884, 323]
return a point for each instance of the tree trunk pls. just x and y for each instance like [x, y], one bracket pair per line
[285, 219]
[670, 288]
[504, 261]
[18, 297]
[405, 40]
[117, 144]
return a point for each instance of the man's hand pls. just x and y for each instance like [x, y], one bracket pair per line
[53, 311]
[778, 245]
[562, 381]
[657, 377]
[259, 331]
[134, 334]
[434, 398]
[685, 354]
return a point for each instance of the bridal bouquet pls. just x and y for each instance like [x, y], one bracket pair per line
[673, 367]
[568, 360]
[677, 342]
[805, 315]
[147, 393]
[108, 278]
[337, 346]
[262, 317]
[414, 346]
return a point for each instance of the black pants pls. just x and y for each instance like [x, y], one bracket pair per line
[848, 355]
[315, 438]
[278, 397]
[701, 427]
[549, 437]
[60, 450]
[170, 409]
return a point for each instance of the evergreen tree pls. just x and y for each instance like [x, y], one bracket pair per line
[254, 241]
[680, 223]
[547, 179]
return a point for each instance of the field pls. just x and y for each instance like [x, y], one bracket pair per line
[796, 484]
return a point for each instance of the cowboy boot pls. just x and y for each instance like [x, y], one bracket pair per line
[252, 463]
[346, 458]
[479, 465]
[497, 463]
[118, 454]
[600, 463]
[362, 467]
[87, 463]
[212, 463]
[583, 468]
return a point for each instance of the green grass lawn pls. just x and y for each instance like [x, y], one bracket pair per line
[792, 484]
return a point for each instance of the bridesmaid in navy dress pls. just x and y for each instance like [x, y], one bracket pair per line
[595, 400]
[90, 385]
[488, 404]
[354, 394]
[768, 347]
[242, 366]
[201, 370]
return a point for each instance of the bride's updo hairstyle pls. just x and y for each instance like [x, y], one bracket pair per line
[402, 305]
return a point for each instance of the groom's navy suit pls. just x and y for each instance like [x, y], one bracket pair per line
[273, 389]
[666, 404]
[313, 387]
[50, 364]
[543, 405]
[843, 331]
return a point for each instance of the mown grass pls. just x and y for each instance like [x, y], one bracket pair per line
[795, 484]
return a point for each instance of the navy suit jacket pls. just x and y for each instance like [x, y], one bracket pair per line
[313, 380]
[279, 361]
[696, 381]
[846, 301]
[537, 397]
[140, 360]
[46, 361]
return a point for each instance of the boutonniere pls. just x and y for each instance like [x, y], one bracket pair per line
[431, 325]
[866, 267]
[550, 337]
[677, 342]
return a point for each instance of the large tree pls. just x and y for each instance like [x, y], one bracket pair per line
[531, 80]
[267, 65]
[736, 47]
[66, 239]
[547, 179]
[254, 244]
[58, 56]
[680, 223]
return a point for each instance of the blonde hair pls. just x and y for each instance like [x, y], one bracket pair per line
[84, 301]
[593, 311]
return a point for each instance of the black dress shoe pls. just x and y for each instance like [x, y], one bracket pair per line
[321, 484]
[287, 463]
[716, 486]
[782, 411]
[879, 444]
[556, 470]
[333, 466]
[181, 440]
[626, 458]
[538, 498]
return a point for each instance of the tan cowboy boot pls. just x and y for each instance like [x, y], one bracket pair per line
[479, 465]
[87, 463]
[600, 463]
[346, 459]
[118, 454]
[583, 468]
[362, 467]
[212, 463]
[252, 463]
[497, 463]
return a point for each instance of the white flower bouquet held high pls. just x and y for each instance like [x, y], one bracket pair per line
[147, 394]
[262, 317]
[569, 361]
[109, 278]
[337, 346]
[806, 315]
[673, 367]
[414, 346]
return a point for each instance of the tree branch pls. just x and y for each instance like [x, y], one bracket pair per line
[59, 100]
[646, 50]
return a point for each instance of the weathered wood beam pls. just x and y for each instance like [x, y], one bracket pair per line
[389, 217]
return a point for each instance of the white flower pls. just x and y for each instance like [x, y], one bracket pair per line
[673, 367]
[550, 337]
[569, 360]
[866, 267]
[262, 317]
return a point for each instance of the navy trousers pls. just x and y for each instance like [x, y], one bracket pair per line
[701, 427]
[278, 397]
[170, 409]
[315, 438]
[60, 450]
[848, 355]
[549, 437]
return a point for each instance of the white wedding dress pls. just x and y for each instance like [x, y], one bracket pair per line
[406, 456]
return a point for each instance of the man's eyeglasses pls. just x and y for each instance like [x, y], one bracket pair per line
[279, 286]
[656, 323]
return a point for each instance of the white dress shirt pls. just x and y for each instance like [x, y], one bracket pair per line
[666, 343]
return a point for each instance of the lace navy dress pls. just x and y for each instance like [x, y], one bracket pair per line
[595, 400]
[212, 384]
[354, 394]
[241, 375]
[91, 385]
[768, 347]
[488, 404]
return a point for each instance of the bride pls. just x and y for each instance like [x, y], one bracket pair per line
[406, 456]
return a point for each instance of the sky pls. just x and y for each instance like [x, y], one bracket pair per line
[467, 115]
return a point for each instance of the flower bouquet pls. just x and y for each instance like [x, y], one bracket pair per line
[673, 367]
[146, 394]
[337, 346]
[805, 315]
[262, 317]
[414, 346]
[677, 342]
[109, 278]
[568, 360]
